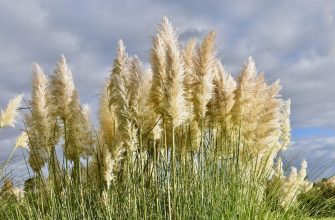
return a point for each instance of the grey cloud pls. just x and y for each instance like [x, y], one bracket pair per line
[290, 40]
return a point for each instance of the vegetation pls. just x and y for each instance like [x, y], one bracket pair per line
[181, 140]
[320, 200]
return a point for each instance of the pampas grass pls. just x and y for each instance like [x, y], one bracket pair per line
[167, 92]
[180, 140]
[202, 80]
[62, 88]
[41, 126]
[79, 140]
[220, 106]
[291, 186]
[120, 99]
[285, 124]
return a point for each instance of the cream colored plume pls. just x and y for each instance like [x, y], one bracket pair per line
[108, 171]
[256, 113]
[43, 119]
[167, 92]
[120, 98]
[174, 101]
[78, 133]
[152, 122]
[148, 119]
[291, 186]
[202, 80]
[110, 151]
[102, 165]
[158, 63]
[133, 85]
[62, 88]
[8, 116]
[22, 140]
[107, 119]
[117, 88]
[278, 169]
[266, 111]
[41, 123]
[285, 124]
[244, 93]
[189, 53]
[223, 98]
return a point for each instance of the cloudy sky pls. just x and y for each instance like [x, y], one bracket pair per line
[293, 41]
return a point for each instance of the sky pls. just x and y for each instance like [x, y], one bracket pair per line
[293, 41]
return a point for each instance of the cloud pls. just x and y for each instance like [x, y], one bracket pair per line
[289, 40]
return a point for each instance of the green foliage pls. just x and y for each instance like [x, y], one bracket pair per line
[319, 201]
[229, 193]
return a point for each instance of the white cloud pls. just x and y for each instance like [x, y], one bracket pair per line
[290, 40]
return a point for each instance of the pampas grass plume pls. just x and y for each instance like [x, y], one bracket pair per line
[203, 76]
[8, 116]
[62, 88]
[285, 124]
[22, 140]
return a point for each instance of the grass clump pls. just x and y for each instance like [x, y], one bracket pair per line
[181, 140]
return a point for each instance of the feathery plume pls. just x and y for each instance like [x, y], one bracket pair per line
[175, 102]
[285, 124]
[108, 165]
[290, 187]
[189, 54]
[107, 119]
[158, 63]
[22, 140]
[305, 184]
[202, 80]
[41, 124]
[102, 165]
[167, 92]
[79, 140]
[279, 172]
[133, 84]
[244, 93]
[303, 170]
[223, 97]
[109, 138]
[120, 99]
[149, 120]
[62, 88]
[256, 118]
[8, 117]
[256, 111]
[110, 152]
[266, 112]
